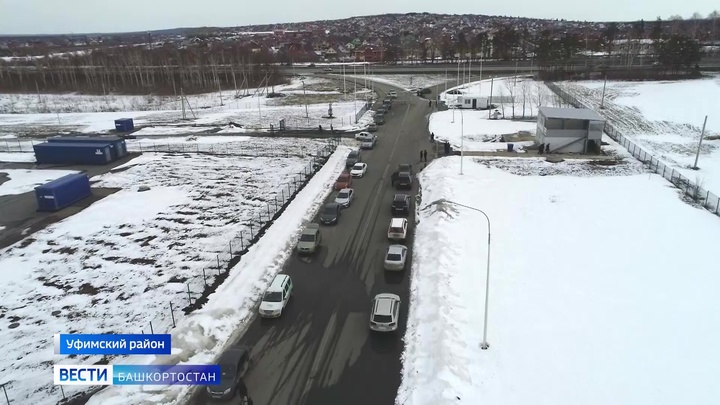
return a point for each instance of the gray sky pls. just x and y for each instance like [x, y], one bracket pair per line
[81, 16]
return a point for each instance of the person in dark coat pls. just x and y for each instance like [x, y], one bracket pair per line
[425, 155]
[432, 137]
[541, 149]
[429, 103]
[547, 148]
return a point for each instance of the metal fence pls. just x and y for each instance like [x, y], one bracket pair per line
[690, 189]
[195, 290]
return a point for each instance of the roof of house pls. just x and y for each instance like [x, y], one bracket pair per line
[571, 113]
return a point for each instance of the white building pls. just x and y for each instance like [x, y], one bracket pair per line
[569, 130]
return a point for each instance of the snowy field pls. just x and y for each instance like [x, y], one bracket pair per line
[479, 132]
[594, 297]
[115, 266]
[407, 81]
[22, 181]
[203, 335]
[664, 118]
[24, 115]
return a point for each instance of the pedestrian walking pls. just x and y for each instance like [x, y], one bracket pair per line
[425, 155]
[432, 137]
[429, 103]
[547, 148]
[421, 156]
[541, 149]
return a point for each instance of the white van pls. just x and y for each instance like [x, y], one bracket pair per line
[276, 297]
[368, 142]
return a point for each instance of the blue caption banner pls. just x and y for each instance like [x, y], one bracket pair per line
[166, 375]
[112, 344]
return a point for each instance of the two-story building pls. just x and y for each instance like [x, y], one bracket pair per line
[570, 130]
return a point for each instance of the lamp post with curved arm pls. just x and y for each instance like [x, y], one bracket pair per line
[484, 345]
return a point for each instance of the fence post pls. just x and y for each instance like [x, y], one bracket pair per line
[664, 167]
[283, 195]
[8, 399]
[707, 198]
[251, 232]
[205, 277]
[188, 291]
[242, 242]
[218, 260]
[268, 207]
[717, 206]
[276, 205]
[231, 252]
[172, 314]
[152, 332]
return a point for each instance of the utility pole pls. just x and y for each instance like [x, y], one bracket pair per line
[490, 99]
[182, 100]
[457, 83]
[344, 88]
[481, 58]
[305, 99]
[702, 134]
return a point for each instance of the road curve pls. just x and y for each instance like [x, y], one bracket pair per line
[321, 351]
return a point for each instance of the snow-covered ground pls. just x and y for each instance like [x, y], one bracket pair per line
[200, 337]
[594, 297]
[17, 157]
[22, 181]
[117, 265]
[407, 81]
[24, 114]
[665, 118]
[479, 132]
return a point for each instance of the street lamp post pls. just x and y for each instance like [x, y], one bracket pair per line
[462, 140]
[484, 345]
[305, 98]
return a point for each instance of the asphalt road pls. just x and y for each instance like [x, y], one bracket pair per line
[321, 350]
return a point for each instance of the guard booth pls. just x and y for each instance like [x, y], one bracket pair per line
[282, 125]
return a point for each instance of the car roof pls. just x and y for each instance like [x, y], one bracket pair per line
[311, 228]
[397, 222]
[404, 174]
[277, 283]
[384, 303]
[359, 164]
[233, 354]
[396, 249]
[331, 205]
[400, 197]
[348, 190]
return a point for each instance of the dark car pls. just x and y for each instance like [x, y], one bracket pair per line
[330, 213]
[234, 363]
[353, 157]
[401, 204]
[405, 168]
[402, 180]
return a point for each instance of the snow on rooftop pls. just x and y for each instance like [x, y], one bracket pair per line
[602, 289]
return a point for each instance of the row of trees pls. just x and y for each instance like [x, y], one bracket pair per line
[138, 70]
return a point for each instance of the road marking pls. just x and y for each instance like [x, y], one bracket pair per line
[319, 355]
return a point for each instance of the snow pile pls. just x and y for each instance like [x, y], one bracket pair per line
[645, 114]
[479, 132]
[16, 157]
[407, 81]
[201, 336]
[22, 181]
[594, 297]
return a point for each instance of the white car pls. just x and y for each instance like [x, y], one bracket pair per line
[398, 229]
[345, 197]
[362, 135]
[396, 257]
[385, 313]
[276, 297]
[358, 170]
[392, 94]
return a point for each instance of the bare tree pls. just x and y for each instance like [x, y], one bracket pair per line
[524, 95]
[715, 18]
[510, 87]
[696, 20]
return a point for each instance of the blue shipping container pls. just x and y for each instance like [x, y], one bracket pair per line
[62, 192]
[118, 148]
[73, 153]
[124, 124]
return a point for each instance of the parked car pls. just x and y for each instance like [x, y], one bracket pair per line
[385, 313]
[344, 180]
[328, 69]
[387, 103]
[353, 157]
[345, 197]
[392, 93]
[401, 204]
[362, 135]
[405, 167]
[380, 118]
[396, 257]
[309, 239]
[372, 127]
[382, 109]
[368, 142]
[330, 213]
[424, 91]
[403, 180]
[398, 229]
[234, 364]
[358, 170]
[276, 296]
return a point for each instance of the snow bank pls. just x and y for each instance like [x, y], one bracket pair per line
[17, 157]
[480, 133]
[23, 181]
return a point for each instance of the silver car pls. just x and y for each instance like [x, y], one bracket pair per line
[385, 313]
[396, 257]
[345, 197]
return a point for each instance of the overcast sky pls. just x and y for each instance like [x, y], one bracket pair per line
[83, 16]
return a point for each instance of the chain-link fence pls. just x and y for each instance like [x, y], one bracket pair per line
[192, 293]
[690, 189]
